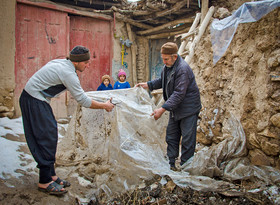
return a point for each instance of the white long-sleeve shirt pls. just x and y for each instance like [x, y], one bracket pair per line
[55, 77]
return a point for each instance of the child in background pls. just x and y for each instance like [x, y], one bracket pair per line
[121, 83]
[105, 85]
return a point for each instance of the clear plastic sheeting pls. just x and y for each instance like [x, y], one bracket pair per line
[124, 146]
[228, 159]
[222, 31]
[116, 151]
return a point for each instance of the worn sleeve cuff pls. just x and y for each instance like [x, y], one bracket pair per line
[165, 106]
[150, 85]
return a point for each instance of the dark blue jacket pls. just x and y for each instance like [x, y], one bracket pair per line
[180, 91]
[103, 87]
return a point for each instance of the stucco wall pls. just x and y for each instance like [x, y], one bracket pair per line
[121, 33]
[7, 57]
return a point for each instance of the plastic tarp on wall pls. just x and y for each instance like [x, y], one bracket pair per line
[116, 151]
[222, 31]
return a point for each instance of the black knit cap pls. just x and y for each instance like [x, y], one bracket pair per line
[79, 54]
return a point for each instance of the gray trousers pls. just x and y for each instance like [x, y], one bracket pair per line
[185, 128]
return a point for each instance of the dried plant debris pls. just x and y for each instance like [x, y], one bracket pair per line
[154, 193]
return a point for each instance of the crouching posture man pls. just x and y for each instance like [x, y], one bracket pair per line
[182, 100]
[40, 126]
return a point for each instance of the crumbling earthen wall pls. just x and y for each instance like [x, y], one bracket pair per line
[230, 5]
[243, 83]
[142, 59]
[7, 54]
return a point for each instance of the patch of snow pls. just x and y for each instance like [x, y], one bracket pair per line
[11, 126]
[11, 158]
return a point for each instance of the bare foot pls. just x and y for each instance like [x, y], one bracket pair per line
[44, 185]
[54, 178]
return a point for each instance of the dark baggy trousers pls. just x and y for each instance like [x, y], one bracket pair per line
[186, 128]
[40, 128]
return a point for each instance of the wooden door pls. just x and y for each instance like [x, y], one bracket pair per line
[41, 35]
[96, 35]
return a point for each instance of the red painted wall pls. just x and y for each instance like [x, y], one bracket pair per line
[43, 34]
[97, 36]
[40, 36]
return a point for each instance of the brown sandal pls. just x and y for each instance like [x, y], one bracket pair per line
[53, 189]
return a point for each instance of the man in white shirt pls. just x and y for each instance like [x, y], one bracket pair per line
[40, 126]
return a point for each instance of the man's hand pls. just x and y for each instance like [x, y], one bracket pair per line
[143, 85]
[109, 106]
[157, 113]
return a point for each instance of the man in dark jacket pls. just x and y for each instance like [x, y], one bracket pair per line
[182, 100]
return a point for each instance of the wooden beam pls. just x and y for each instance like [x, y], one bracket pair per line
[204, 9]
[201, 31]
[147, 50]
[171, 1]
[184, 53]
[169, 24]
[167, 34]
[56, 7]
[189, 2]
[191, 32]
[141, 13]
[132, 22]
[176, 7]
[153, 6]
[99, 3]
[133, 54]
